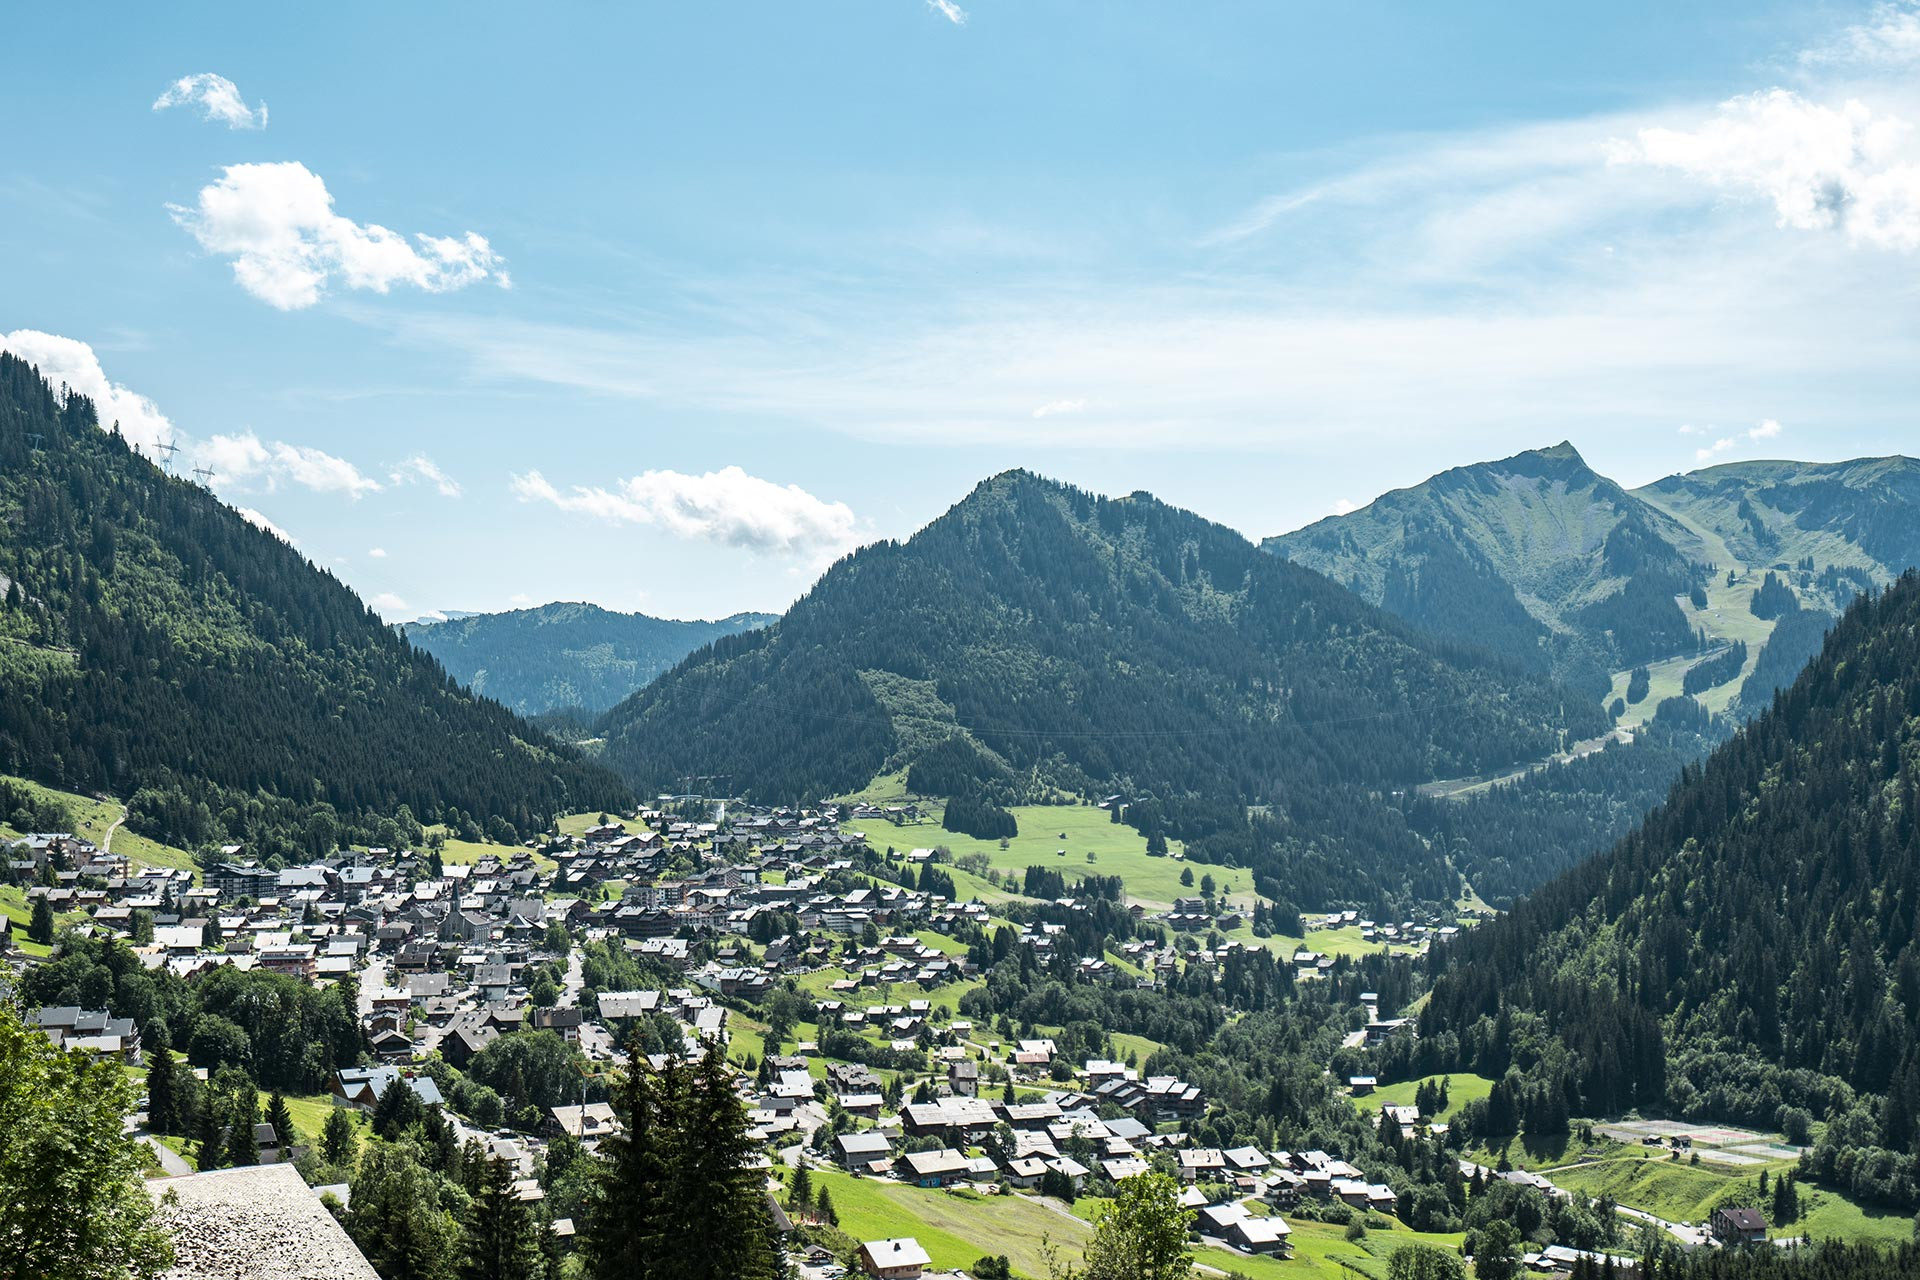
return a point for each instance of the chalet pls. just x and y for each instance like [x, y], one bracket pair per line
[1733, 1226]
[901, 1259]
[934, 1168]
[588, 1123]
[361, 1087]
[858, 1152]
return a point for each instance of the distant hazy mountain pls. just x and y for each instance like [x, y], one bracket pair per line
[1554, 566]
[156, 645]
[1106, 644]
[565, 655]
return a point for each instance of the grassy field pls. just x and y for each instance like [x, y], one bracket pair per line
[955, 1229]
[13, 905]
[1461, 1089]
[463, 852]
[94, 819]
[1671, 1189]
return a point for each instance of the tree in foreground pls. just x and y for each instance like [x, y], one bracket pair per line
[676, 1198]
[1424, 1262]
[336, 1137]
[502, 1242]
[1142, 1234]
[1496, 1255]
[73, 1201]
[281, 1121]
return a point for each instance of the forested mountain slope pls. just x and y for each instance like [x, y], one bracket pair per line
[1752, 953]
[1536, 557]
[156, 645]
[565, 655]
[1114, 645]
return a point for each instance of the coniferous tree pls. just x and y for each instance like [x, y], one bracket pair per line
[40, 928]
[242, 1113]
[210, 1153]
[336, 1137]
[162, 1107]
[281, 1121]
[501, 1243]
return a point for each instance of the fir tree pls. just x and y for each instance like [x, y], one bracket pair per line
[500, 1240]
[244, 1110]
[281, 1121]
[40, 928]
[162, 1107]
[336, 1137]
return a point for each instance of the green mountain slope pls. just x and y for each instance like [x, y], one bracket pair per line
[1098, 644]
[1536, 557]
[1752, 953]
[565, 655]
[156, 645]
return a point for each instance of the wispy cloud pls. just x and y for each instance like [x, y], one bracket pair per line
[376, 553]
[1890, 37]
[276, 222]
[217, 97]
[387, 605]
[950, 11]
[1054, 408]
[727, 506]
[420, 469]
[1765, 429]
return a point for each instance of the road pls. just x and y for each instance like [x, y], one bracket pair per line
[170, 1164]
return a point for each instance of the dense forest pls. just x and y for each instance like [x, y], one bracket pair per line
[1110, 645]
[156, 645]
[1752, 952]
[564, 656]
[1458, 555]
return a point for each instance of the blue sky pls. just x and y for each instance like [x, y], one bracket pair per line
[665, 306]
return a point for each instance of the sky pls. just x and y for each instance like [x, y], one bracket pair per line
[666, 307]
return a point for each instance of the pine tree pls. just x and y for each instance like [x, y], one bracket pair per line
[211, 1148]
[500, 1240]
[627, 1228]
[800, 1191]
[721, 1201]
[162, 1108]
[336, 1137]
[40, 928]
[281, 1120]
[823, 1208]
[241, 1149]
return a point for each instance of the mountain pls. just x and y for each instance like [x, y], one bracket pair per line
[1536, 557]
[156, 645]
[1554, 566]
[562, 656]
[1039, 639]
[1752, 952]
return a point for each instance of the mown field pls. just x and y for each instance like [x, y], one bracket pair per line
[1461, 1089]
[958, 1228]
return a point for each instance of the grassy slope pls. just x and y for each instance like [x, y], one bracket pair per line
[1461, 1090]
[956, 1230]
[93, 818]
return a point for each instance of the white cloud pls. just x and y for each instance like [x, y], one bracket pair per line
[950, 11]
[1053, 408]
[245, 457]
[253, 517]
[1890, 37]
[1765, 429]
[276, 221]
[377, 553]
[520, 599]
[1822, 167]
[420, 469]
[218, 98]
[387, 604]
[1345, 506]
[73, 362]
[726, 506]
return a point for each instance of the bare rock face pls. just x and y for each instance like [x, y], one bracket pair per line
[260, 1223]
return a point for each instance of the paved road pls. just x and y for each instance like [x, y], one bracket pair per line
[170, 1164]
